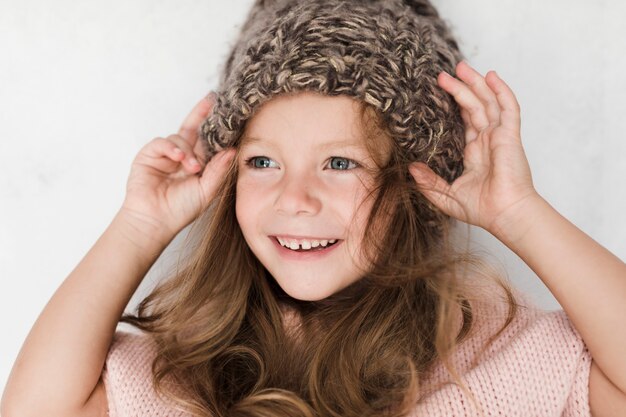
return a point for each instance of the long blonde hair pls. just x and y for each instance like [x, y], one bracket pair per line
[221, 334]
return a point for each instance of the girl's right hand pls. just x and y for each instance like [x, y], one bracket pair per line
[169, 184]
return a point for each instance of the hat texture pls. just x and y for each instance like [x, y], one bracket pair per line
[386, 53]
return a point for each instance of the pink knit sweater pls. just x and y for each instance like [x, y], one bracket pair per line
[539, 366]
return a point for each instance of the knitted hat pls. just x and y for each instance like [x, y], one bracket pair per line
[386, 53]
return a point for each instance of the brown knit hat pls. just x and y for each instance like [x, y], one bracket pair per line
[386, 53]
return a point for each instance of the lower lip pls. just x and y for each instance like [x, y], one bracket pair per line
[303, 256]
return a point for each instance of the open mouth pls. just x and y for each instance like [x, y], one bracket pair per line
[306, 246]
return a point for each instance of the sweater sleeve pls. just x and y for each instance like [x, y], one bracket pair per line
[539, 366]
[127, 377]
[578, 401]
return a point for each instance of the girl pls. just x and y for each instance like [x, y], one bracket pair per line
[324, 275]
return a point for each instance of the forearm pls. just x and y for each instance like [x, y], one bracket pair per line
[587, 280]
[62, 358]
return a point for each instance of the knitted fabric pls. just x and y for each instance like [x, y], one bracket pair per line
[386, 53]
[539, 366]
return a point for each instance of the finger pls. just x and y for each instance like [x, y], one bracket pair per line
[189, 129]
[478, 85]
[163, 155]
[510, 109]
[470, 132]
[215, 170]
[200, 152]
[466, 99]
[432, 186]
[185, 154]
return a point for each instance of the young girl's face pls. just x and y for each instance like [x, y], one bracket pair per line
[301, 180]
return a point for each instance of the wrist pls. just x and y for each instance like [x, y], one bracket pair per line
[141, 231]
[512, 226]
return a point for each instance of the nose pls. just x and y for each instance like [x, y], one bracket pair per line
[298, 194]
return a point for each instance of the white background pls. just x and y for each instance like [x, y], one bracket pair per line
[84, 85]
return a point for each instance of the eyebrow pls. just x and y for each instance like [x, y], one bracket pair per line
[248, 140]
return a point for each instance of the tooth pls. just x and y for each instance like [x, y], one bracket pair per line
[306, 245]
[332, 240]
[282, 242]
[324, 242]
[294, 245]
[315, 243]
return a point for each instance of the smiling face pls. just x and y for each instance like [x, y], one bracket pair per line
[302, 205]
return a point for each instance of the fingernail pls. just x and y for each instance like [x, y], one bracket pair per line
[194, 161]
[211, 97]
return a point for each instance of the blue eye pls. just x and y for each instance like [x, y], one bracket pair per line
[342, 164]
[259, 162]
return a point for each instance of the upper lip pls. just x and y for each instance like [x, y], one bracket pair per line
[304, 237]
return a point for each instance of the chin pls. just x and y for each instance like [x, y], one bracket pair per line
[306, 294]
[290, 289]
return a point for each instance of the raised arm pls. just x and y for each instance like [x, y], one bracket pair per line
[61, 360]
[496, 193]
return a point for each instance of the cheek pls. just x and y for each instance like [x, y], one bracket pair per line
[361, 207]
[244, 205]
[360, 214]
[360, 200]
[253, 203]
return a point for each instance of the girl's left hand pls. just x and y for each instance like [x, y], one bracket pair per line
[496, 181]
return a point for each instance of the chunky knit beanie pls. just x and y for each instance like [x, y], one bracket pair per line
[386, 53]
